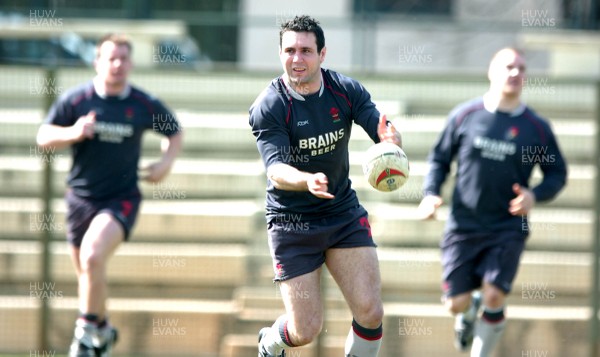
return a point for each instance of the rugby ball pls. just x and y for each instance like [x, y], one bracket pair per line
[386, 167]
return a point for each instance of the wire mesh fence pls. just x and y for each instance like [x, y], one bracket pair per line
[195, 277]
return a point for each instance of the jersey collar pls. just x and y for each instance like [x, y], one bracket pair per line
[297, 95]
[102, 93]
[492, 107]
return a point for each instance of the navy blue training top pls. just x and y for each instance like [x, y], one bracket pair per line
[493, 151]
[311, 133]
[106, 166]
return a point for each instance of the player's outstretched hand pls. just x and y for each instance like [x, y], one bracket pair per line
[84, 127]
[387, 132]
[428, 207]
[523, 203]
[317, 185]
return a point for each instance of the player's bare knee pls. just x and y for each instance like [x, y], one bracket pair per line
[91, 261]
[306, 338]
[456, 308]
[493, 298]
[371, 317]
[306, 333]
[458, 304]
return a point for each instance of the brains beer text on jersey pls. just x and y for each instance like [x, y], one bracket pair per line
[113, 132]
[321, 144]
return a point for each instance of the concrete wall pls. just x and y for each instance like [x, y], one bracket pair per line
[463, 42]
[259, 31]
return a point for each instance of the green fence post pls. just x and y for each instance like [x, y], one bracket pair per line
[595, 303]
[46, 234]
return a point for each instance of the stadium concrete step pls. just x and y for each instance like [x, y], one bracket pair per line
[409, 330]
[234, 345]
[420, 133]
[222, 221]
[414, 274]
[576, 193]
[147, 327]
[193, 327]
[189, 178]
[228, 135]
[406, 273]
[236, 90]
[203, 266]
[245, 179]
[553, 229]
[545, 277]
[251, 300]
[239, 221]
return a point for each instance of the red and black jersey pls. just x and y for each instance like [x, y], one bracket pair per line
[107, 165]
[493, 151]
[311, 133]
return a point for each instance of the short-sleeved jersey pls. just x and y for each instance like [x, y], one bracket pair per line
[106, 165]
[311, 133]
[493, 150]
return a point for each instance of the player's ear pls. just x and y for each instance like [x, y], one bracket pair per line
[322, 54]
[491, 72]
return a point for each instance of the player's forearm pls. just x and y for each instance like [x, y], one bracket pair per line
[549, 187]
[554, 177]
[288, 178]
[54, 136]
[432, 185]
[171, 147]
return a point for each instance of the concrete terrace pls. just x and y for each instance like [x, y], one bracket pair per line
[195, 279]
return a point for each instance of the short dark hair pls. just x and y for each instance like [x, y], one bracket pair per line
[304, 23]
[117, 39]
